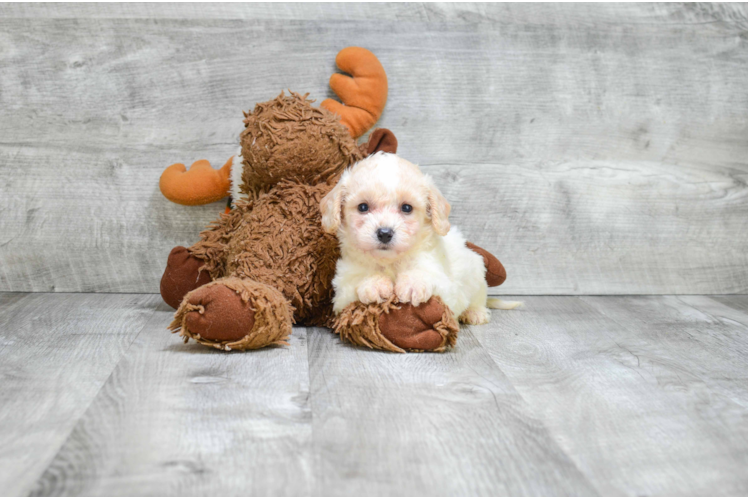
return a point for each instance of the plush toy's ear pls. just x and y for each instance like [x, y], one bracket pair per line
[438, 210]
[381, 140]
[331, 207]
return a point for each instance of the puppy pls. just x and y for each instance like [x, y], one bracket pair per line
[395, 239]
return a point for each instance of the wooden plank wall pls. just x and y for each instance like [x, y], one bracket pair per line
[596, 149]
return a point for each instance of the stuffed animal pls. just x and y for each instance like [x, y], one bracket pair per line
[268, 263]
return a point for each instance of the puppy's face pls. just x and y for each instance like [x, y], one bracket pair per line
[384, 207]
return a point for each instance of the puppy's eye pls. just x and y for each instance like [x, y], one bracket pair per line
[363, 208]
[406, 208]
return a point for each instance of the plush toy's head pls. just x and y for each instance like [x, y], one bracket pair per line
[289, 139]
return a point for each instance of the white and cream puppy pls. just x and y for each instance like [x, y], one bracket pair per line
[395, 239]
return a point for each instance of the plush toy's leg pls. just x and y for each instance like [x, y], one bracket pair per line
[234, 314]
[495, 272]
[182, 275]
[398, 327]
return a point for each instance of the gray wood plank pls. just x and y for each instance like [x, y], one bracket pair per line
[464, 12]
[721, 350]
[605, 157]
[731, 303]
[56, 352]
[427, 424]
[580, 227]
[712, 350]
[644, 394]
[183, 419]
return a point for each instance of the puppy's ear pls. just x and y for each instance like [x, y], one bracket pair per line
[438, 210]
[381, 140]
[331, 207]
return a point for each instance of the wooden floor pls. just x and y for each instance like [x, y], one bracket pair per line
[571, 395]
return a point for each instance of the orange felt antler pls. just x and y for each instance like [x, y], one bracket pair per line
[364, 92]
[199, 185]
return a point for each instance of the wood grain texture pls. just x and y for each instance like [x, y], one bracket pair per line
[56, 352]
[731, 302]
[427, 424]
[182, 419]
[463, 12]
[596, 149]
[645, 394]
[570, 395]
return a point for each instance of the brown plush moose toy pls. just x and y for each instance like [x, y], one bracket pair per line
[267, 263]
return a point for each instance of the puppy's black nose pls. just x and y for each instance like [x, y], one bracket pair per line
[385, 234]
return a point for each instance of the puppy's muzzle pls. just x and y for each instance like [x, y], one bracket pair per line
[385, 234]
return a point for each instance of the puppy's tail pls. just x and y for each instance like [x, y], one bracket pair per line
[492, 303]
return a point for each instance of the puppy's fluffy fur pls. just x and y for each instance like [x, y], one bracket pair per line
[424, 257]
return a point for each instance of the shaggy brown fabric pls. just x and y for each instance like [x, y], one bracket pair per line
[278, 240]
[396, 327]
[270, 323]
[182, 275]
[282, 243]
[293, 154]
[495, 272]
[212, 247]
[289, 139]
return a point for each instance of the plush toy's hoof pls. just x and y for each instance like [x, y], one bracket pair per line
[182, 275]
[234, 314]
[398, 327]
[495, 272]
[411, 327]
[219, 314]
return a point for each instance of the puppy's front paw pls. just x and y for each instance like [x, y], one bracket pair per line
[412, 290]
[377, 289]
